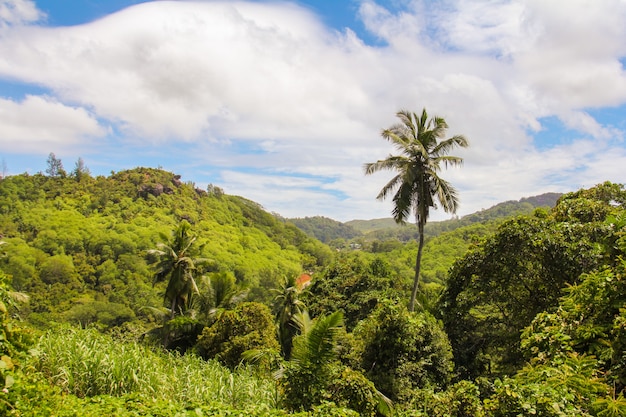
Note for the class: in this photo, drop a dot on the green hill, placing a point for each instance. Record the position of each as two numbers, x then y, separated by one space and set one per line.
387 228
82 241
325 229
366 226
78 244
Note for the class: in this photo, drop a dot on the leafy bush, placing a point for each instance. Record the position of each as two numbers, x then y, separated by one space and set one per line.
351 389
353 284
14 341
498 288
462 399
309 372
404 351
249 326
589 320
103 313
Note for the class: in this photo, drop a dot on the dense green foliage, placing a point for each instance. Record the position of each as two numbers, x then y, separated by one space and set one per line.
440 252
13 339
530 320
101 376
287 307
87 363
384 229
248 326
353 285
402 352
83 243
590 320
309 371
497 289
177 266
325 229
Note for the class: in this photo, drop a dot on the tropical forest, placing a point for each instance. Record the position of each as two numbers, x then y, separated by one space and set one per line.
142 294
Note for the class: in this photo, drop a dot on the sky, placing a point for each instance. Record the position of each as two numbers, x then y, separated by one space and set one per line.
282 102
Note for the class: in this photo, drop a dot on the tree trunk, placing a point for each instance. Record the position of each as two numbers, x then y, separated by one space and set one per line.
418 263
166 330
173 308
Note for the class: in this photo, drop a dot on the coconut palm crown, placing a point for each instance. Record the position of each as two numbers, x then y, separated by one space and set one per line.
417 186
177 267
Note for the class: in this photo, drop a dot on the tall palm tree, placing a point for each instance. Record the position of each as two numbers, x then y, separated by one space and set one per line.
176 265
417 185
287 305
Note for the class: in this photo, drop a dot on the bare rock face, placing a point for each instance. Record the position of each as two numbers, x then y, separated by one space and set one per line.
153 189
151 183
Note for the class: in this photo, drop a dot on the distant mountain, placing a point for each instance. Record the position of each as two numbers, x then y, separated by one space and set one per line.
512 208
543 200
366 226
325 229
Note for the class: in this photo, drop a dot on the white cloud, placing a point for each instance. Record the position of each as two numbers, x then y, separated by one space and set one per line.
574 59
584 123
268 87
184 70
499 28
18 12
42 124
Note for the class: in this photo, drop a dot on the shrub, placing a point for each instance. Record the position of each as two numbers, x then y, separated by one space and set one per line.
105 314
308 373
14 341
403 351
460 400
249 326
351 389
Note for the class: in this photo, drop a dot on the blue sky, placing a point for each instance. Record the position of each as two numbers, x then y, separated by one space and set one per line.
283 102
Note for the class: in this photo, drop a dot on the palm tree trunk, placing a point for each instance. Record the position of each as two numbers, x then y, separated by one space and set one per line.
418 263
166 330
173 308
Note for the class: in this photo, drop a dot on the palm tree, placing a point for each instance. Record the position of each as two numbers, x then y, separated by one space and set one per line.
310 366
176 265
417 185
313 366
218 291
287 305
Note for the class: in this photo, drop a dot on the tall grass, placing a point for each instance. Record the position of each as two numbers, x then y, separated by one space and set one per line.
87 363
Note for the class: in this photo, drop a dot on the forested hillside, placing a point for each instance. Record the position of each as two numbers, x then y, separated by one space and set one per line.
138 294
325 229
387 228
79 244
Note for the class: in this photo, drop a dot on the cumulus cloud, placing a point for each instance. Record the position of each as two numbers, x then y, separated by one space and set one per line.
285 110
39 124
18 12
186 70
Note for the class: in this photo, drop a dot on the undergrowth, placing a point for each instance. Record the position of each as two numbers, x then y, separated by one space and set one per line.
86 363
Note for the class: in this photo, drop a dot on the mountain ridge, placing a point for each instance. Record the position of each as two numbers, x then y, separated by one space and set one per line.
326 229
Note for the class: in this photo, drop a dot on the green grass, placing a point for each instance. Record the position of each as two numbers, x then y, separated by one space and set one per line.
87 363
